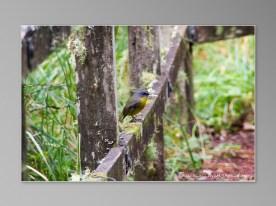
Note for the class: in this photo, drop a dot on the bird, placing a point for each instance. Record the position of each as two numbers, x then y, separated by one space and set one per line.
135 103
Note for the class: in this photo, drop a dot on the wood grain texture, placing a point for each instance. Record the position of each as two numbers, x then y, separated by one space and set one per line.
96 94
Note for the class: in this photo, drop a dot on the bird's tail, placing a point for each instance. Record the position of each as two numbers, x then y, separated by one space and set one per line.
122 117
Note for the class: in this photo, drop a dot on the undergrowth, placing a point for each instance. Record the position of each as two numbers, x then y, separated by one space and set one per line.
51 121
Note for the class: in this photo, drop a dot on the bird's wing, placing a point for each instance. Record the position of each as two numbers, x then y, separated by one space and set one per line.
131 104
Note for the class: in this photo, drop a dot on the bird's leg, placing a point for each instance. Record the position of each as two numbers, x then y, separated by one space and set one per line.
135 118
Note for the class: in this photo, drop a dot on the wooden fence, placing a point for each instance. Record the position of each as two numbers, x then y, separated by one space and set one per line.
111 154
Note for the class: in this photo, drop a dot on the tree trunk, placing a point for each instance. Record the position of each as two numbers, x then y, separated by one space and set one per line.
144 55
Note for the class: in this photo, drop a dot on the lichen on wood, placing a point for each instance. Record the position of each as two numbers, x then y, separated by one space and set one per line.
76 43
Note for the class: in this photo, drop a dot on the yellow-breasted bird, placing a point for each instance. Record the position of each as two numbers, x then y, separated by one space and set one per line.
135 103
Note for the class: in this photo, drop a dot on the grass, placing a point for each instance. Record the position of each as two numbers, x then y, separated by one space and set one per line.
51 121
224 81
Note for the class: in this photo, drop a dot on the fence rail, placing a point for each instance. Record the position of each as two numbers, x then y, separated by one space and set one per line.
203 34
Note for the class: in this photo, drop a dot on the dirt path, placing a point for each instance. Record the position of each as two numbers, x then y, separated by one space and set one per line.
232 159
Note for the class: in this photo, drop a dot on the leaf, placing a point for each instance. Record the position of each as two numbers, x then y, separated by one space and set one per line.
37 172
31 137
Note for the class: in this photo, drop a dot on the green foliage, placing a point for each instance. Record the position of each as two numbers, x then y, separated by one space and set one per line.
182 151
224 81
51 121
121 45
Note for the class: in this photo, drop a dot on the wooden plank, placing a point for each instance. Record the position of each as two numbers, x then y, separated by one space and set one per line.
202 34
38 42
96 93
113 165
175 55
179 53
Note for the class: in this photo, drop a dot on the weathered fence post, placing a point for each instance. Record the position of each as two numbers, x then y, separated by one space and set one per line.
96 93
144 52
144 55
159 139
38 42
159 136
